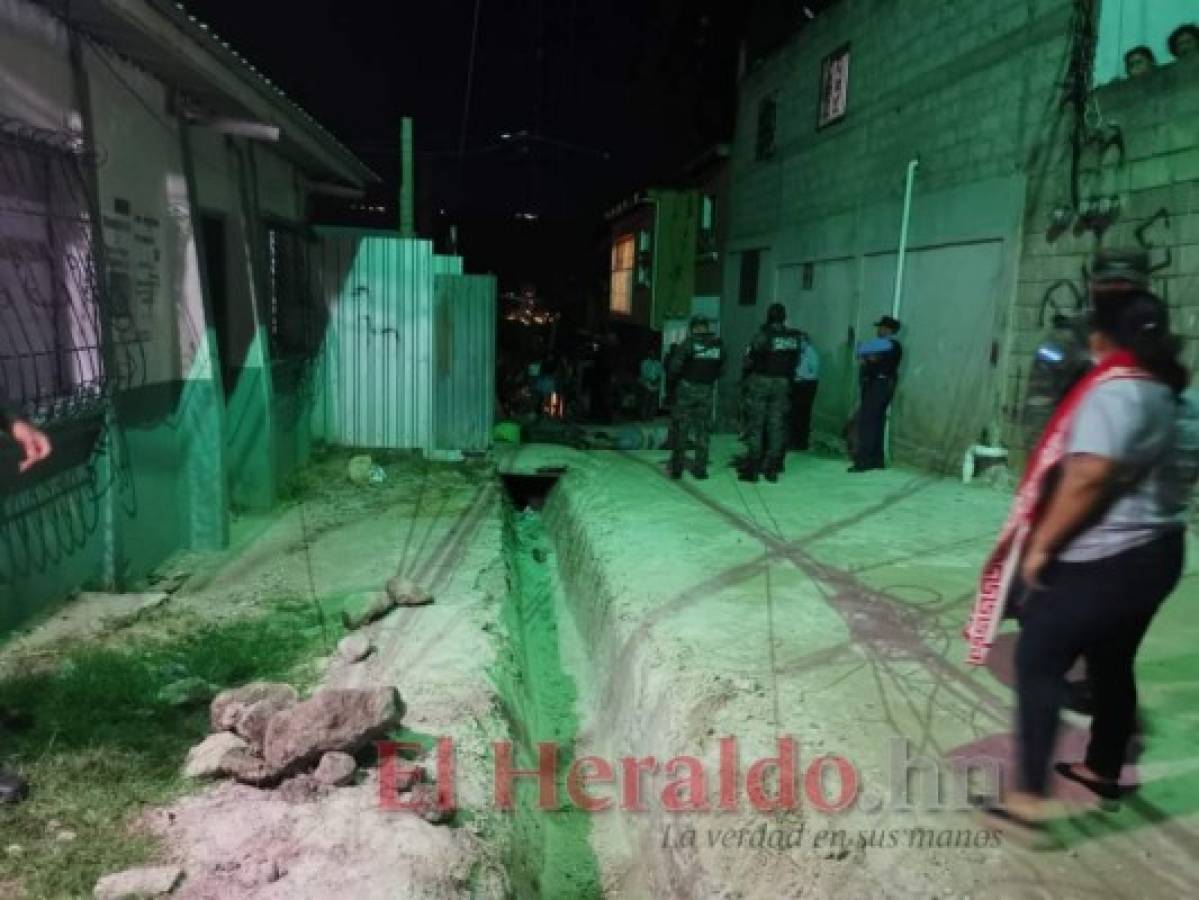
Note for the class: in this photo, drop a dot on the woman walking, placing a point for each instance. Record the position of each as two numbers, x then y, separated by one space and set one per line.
1094 546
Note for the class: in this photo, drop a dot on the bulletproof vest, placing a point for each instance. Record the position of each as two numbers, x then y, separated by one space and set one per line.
780 354
705 353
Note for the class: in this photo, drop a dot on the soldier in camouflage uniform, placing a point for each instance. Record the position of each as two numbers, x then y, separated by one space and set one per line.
773 356
696 366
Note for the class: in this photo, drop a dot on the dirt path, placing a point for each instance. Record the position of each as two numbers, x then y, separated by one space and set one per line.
828 608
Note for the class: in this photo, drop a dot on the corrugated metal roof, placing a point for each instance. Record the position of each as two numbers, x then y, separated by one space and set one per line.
209 69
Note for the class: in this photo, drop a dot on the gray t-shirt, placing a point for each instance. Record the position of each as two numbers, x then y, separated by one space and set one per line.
1155 436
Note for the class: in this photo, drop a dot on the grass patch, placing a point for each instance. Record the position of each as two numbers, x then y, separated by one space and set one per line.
101 745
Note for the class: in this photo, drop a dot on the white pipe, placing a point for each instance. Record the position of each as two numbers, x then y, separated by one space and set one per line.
897 300
979 452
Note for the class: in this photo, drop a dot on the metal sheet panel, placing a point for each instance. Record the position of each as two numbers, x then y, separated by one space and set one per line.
464 354
447 265
378 366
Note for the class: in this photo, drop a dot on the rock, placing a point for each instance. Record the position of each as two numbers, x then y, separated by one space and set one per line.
359 469
330 720
355 648
65 836
246 766
360 615
208 758
408 777
302 789
405 592
246 710
336 769
422 800
14 851
186 692
256 875
151 881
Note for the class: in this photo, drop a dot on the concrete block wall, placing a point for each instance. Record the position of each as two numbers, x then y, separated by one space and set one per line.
949 81
1158 115
970 89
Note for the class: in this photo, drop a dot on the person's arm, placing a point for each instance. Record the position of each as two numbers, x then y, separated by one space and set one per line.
1085 487
1113 436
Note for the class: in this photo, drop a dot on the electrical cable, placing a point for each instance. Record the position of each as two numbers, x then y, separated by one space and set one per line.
470 78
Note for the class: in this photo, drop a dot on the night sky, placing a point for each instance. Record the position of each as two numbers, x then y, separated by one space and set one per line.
617 95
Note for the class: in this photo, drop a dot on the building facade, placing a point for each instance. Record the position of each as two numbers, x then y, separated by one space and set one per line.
159 308
665 262
1026 149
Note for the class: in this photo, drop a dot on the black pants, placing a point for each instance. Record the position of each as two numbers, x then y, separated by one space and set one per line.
803 396
1098 610
872 421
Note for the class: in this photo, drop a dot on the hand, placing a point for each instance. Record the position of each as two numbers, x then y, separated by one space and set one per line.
1032 567
34 444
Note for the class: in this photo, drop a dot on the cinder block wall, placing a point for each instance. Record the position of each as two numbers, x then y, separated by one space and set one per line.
1158 116
971 89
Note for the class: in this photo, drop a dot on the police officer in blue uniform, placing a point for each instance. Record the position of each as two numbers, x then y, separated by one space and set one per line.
879 362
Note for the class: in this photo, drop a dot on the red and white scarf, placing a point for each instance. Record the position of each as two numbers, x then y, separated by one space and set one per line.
999 573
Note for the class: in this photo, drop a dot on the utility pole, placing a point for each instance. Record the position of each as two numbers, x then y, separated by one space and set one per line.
407 176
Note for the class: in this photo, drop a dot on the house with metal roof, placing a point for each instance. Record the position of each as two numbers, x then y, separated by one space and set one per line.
161 315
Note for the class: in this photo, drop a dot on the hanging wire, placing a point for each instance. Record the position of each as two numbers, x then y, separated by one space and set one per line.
470 79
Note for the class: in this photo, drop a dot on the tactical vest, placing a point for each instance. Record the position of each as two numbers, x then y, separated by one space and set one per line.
704 358
781 353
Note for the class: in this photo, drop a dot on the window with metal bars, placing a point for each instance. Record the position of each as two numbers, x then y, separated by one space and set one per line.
51 361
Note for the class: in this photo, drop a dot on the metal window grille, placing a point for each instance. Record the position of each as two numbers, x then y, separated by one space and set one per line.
51 361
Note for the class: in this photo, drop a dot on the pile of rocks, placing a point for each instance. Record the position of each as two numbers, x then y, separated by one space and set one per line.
264 734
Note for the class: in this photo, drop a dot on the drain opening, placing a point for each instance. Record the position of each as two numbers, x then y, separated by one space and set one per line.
529 491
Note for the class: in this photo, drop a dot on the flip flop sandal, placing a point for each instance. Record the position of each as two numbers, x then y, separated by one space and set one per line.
1105 790
1027 833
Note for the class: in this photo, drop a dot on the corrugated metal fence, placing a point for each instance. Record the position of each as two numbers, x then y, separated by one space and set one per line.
464 384
403 359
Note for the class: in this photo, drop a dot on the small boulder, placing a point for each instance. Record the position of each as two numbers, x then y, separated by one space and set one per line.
246 766
355 648
256 875
358 470
423 801
330 720
186 692
302 789
362 613
208 758
407 777
336 769
246 710
406 592
151 881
